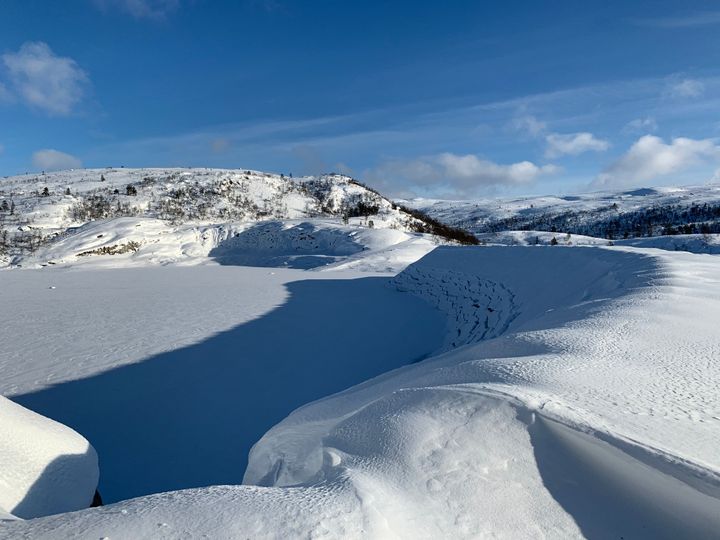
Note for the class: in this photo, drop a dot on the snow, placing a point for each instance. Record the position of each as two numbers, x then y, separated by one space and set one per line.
200 359
47 468
163 216
614 214
481 209
584 404
295 376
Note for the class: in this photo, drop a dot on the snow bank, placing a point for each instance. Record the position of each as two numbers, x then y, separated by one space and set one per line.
47 468
317 243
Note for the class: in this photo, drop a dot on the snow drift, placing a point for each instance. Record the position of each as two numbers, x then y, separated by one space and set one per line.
47 468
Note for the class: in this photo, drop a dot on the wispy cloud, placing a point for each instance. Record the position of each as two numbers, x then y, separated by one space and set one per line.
641 125
54 160
43 80
689 20
557 144
685 88
573 144
5 94
141 9
527 124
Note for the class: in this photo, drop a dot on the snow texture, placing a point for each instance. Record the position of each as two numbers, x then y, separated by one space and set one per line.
358 381
589 409
47 468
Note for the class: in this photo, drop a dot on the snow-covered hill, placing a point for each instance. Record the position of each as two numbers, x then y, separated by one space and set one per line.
611 215
172 215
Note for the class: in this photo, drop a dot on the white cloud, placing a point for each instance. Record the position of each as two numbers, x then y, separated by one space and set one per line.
641 125
54 160
43 80
475 170
528 125
558 144
454 175
141 9
573 144
650 157
686 88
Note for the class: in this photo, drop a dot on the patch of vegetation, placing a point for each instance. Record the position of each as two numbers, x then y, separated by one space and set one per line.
426 224
115 249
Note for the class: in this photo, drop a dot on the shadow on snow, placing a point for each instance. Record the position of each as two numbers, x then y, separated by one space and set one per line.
188 417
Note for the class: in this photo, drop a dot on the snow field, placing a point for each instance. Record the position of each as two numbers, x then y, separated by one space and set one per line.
583 405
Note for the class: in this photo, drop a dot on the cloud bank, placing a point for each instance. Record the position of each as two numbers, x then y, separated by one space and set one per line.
453 175
650 157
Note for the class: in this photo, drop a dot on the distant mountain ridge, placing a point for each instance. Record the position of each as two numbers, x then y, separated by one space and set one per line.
641 212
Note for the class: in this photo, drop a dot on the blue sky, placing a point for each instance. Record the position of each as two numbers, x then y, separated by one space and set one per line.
439 99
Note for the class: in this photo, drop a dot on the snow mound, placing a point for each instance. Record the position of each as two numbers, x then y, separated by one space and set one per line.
47 468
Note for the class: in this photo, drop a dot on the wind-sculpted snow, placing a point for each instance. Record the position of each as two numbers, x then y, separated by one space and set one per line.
476 309
45 467
593 413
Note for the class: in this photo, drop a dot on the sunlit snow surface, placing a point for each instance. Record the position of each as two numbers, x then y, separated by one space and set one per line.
570 392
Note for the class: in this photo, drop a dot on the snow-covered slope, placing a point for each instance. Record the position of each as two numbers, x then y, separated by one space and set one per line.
576 397
172 215
613 215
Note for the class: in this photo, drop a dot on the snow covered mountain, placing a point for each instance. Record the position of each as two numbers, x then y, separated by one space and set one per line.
94 211
612 215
